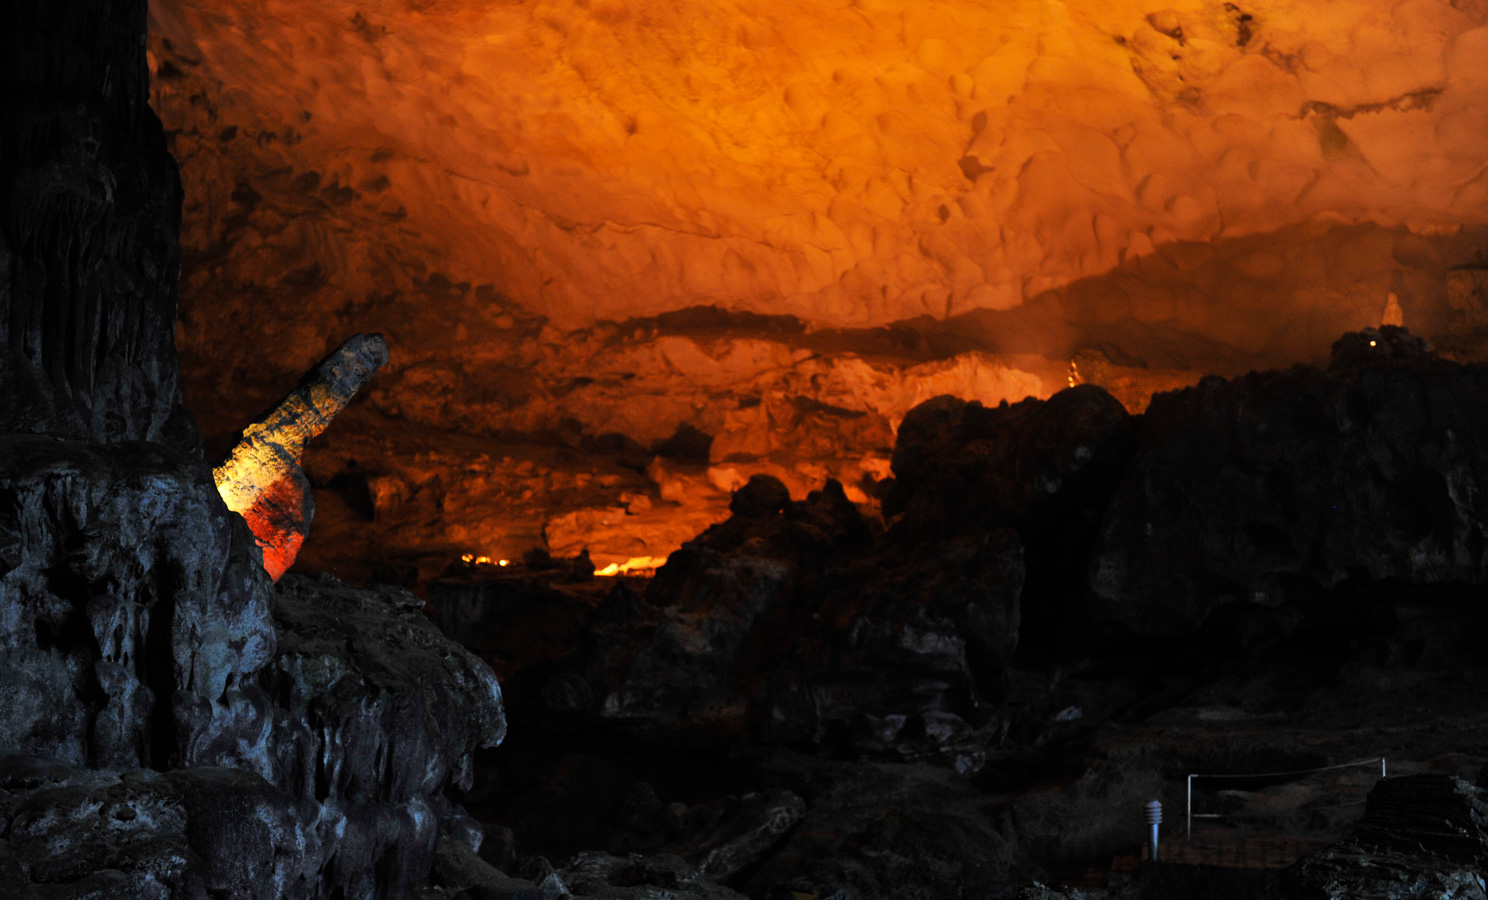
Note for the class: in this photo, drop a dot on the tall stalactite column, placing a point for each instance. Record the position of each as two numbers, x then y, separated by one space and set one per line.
90 216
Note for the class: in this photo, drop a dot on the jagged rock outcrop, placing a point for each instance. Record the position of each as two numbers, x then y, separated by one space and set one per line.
134 613
1259 489
162 733
90 217
1045 468
960 465
376 714
684 651
165 733
784 622
1424 837
323 774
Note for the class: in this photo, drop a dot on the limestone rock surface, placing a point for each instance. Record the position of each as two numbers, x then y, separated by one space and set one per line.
134 613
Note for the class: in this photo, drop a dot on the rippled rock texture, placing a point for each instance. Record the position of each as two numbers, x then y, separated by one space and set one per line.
628 159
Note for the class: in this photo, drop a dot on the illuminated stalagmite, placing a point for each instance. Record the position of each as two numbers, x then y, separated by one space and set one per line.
261 478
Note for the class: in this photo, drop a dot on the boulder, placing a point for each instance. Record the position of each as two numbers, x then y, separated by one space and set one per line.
603 876
1044 468
880 831
187 833
962 466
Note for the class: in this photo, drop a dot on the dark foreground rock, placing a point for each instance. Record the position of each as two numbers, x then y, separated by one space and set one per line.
887 832
602 876
1424 837
376 714
783 623
305 754
186 833
134 614
804 702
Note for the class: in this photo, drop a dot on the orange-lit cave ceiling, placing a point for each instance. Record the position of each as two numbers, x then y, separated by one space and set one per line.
887 199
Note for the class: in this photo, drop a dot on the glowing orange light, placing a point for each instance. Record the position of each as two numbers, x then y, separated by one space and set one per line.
471 559
634 564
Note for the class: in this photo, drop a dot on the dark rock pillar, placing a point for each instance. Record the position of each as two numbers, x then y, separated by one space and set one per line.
90 214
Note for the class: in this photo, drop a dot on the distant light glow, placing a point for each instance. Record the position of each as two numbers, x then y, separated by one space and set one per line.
471 559
634 564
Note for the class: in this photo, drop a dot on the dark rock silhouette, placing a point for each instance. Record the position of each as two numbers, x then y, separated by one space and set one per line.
90 220
1261 489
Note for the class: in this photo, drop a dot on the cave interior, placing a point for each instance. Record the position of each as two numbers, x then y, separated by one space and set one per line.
663 450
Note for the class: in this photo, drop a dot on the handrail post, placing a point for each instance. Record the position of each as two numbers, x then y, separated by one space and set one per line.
1188 811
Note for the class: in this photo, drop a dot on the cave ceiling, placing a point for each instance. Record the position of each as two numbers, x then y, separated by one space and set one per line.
848 163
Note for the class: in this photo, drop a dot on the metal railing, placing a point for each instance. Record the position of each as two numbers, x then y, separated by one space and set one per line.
1191 815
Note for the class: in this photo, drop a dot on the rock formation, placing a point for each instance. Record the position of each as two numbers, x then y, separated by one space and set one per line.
1268 491
1422 836
171 726
90 218
261 478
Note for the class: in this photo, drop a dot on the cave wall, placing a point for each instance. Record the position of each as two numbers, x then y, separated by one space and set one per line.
545 205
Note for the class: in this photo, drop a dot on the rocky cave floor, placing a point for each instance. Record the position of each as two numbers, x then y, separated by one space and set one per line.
772 716
1058 799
